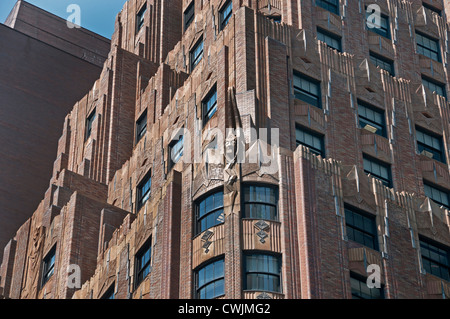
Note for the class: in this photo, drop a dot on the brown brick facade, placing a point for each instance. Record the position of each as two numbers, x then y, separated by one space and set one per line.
92 213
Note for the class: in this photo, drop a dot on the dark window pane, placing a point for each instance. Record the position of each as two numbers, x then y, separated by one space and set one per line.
307 90
48 266
140 17
380 27
209 212
360 289
196 54
378 170
361 228
435 258
143 191
143 262
371 119
313 141
263 272
225 14
189 14
428 46
210 280
383 63
333 41
330 5
141 126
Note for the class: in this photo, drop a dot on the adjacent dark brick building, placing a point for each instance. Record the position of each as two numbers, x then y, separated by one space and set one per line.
45 68
361 166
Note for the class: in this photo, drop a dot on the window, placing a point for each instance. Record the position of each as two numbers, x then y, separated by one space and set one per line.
89 122
109 294
176 149
314 141
371 119
360 289
434 9
436 87
260 202
225 14
333 41
189 15
379 170
382 28
141 126
330 5
435 258
307 90
383 63
440 196
361 227
209 105
143 191
428 46
210 282
142 262
263 272
275 18
48 266
140 18
209 212
430 144
196 54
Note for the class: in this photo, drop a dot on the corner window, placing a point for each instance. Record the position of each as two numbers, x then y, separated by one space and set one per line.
439 195
428 46
307 90
140 18
189 14
314 141
141 126
360 289
260 202
435 258
209 212
225 14
330 5
89 122
143 262
196 54
48 266
210 280
378 170
143 191
262 272
333 41
371 119
430 144
361 227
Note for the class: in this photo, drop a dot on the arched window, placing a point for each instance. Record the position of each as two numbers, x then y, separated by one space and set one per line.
262 272
209 280
209 212
260 202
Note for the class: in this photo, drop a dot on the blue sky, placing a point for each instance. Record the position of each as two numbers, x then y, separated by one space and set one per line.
96 15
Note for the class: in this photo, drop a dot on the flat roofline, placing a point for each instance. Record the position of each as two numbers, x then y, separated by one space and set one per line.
15 11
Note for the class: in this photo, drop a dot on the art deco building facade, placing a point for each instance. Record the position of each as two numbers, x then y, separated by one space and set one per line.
361 178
